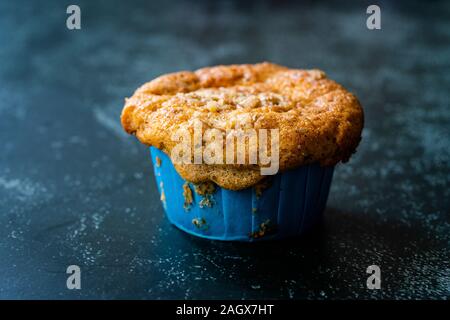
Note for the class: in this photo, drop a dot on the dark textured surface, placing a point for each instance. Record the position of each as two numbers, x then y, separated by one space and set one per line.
74 189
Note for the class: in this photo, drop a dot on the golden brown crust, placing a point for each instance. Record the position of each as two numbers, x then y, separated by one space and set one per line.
318 120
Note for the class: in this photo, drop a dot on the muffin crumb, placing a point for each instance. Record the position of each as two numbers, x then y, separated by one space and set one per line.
207 201
187 194
158 162
265 229
200 223
205 188
261 186
163 195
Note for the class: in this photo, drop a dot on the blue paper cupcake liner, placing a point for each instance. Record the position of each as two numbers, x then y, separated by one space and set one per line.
292 203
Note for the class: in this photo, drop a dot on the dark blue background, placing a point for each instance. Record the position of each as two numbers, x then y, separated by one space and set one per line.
75 189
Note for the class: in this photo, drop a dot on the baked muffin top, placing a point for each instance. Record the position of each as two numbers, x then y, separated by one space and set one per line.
318 120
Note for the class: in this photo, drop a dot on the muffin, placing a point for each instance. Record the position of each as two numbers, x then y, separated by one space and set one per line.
244 152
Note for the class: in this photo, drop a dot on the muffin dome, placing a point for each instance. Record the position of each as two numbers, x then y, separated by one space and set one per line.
318 120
